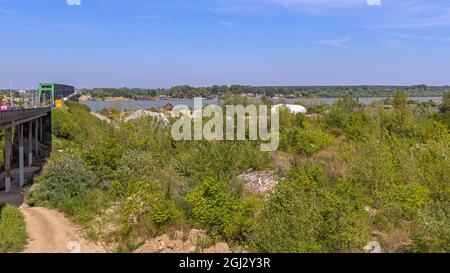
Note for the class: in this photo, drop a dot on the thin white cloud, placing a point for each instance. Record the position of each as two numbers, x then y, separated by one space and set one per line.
73 2
323 3
147 17
342 42
374 2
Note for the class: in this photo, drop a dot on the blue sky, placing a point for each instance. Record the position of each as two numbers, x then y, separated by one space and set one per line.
161 43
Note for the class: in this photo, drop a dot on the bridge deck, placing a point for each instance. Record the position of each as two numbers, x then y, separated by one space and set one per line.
9 118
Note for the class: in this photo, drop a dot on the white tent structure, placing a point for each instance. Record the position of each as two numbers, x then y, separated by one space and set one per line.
294 108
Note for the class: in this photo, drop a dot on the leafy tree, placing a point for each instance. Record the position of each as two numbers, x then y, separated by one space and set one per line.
445 106
400 101
337 115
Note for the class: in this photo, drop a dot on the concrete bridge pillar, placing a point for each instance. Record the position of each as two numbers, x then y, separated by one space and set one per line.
21 158
36 140
41 136
8 156
30 143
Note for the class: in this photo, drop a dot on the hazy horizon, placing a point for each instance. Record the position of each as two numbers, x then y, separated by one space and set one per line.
158 44
206 86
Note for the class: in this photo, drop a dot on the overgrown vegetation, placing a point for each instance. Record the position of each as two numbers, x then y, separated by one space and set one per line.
13 234
358 173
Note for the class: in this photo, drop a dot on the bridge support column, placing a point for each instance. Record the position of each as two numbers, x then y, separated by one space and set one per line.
36 140
8 155
21 158
30 143
41 136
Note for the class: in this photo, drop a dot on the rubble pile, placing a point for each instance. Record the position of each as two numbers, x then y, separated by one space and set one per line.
259 182
190 242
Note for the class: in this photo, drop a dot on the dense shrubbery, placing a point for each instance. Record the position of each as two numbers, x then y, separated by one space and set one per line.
13 234
146 210
219 160
306 215
386 172
68 185
215 208
431 231
297 136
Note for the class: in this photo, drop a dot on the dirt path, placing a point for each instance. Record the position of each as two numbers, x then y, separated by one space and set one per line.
51 232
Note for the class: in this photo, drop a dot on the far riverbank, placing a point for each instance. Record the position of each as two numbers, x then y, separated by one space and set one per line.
144 104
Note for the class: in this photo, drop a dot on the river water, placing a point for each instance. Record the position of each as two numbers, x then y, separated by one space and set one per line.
142 104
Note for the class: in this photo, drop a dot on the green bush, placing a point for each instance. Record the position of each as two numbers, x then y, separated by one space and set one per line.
345 225
357 126
445 106
13 234
199 160
85 207
146 210
290 120
304 215
336 117
105 157
405 201
290 221
68 185
431 230
133 166
433 168
310 141
212 207
63 124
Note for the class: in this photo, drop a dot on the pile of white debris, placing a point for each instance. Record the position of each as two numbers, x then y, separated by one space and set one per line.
259 182
146 113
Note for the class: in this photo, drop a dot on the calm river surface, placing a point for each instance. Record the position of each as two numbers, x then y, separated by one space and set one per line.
141 104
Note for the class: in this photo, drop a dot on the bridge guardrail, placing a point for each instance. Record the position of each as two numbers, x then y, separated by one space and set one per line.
15 115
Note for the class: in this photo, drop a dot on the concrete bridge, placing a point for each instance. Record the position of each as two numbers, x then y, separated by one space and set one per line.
31 127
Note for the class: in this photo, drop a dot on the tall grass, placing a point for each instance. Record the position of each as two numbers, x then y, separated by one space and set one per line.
13 234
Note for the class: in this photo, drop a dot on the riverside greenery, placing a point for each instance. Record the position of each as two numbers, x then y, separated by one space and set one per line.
349 174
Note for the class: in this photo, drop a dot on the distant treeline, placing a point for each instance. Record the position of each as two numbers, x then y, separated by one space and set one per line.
188 92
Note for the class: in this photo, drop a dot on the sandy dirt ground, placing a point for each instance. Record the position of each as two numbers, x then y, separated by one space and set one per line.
48 231
51 232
